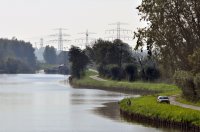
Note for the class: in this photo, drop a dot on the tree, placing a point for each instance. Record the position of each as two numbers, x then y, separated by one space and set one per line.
63 57
115 72
131 72
18 55
152 73
194 61
105 53
173 31
50 55
79 61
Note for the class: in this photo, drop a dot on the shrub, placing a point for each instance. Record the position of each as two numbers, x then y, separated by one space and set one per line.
185 81
131 72
152 73
115 72
103 71
197 84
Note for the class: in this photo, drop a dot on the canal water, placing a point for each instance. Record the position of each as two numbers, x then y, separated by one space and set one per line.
46 103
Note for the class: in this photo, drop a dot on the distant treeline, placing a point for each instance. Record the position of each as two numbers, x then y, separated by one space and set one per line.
51 57
115 60
16 57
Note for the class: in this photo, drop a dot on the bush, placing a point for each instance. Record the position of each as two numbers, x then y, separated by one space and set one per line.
197 85
150 73
115 72
109 71
131 72
103 71
185 81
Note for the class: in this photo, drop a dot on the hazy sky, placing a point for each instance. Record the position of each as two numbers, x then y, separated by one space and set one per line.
32 19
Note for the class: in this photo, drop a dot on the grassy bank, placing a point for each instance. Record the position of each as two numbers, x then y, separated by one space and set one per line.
147 107
88 82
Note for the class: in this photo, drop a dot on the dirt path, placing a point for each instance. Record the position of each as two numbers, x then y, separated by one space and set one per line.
95 77
172 98
174 102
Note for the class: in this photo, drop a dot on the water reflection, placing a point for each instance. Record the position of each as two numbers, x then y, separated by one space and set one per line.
38 103
111 111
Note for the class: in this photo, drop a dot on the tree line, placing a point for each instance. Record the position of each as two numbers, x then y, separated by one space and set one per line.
16 57
115 60
51 57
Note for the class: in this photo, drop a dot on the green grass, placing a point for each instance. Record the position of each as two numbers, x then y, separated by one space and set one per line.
148 106
160 87
184 101
46 66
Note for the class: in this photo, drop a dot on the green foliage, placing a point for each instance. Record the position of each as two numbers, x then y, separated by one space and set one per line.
79 61
11 65
14 66
148 106
115 72
45 65
131 72
152 73
16 56
197 85
50 55
107 53
185 81
194 61
104 71
172 32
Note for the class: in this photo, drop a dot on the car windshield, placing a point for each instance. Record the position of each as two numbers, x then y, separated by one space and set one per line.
164 98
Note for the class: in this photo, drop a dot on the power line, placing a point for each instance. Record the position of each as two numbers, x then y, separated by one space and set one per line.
60 38
120 32
86 39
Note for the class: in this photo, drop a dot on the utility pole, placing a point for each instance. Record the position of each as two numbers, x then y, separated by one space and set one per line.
86 39
120 32
60 38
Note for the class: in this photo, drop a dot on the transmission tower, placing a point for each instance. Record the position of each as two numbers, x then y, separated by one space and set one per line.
60 38
86 39
40 43
120 32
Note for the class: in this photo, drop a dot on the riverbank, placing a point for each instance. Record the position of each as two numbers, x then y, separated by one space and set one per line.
122 86
146 107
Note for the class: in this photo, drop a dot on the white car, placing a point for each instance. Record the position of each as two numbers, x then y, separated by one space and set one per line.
163 99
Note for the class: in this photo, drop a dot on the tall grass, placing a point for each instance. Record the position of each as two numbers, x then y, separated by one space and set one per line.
148 106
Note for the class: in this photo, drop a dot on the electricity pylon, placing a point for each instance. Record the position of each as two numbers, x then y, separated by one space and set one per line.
86 39
120 32
60 38
40 43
